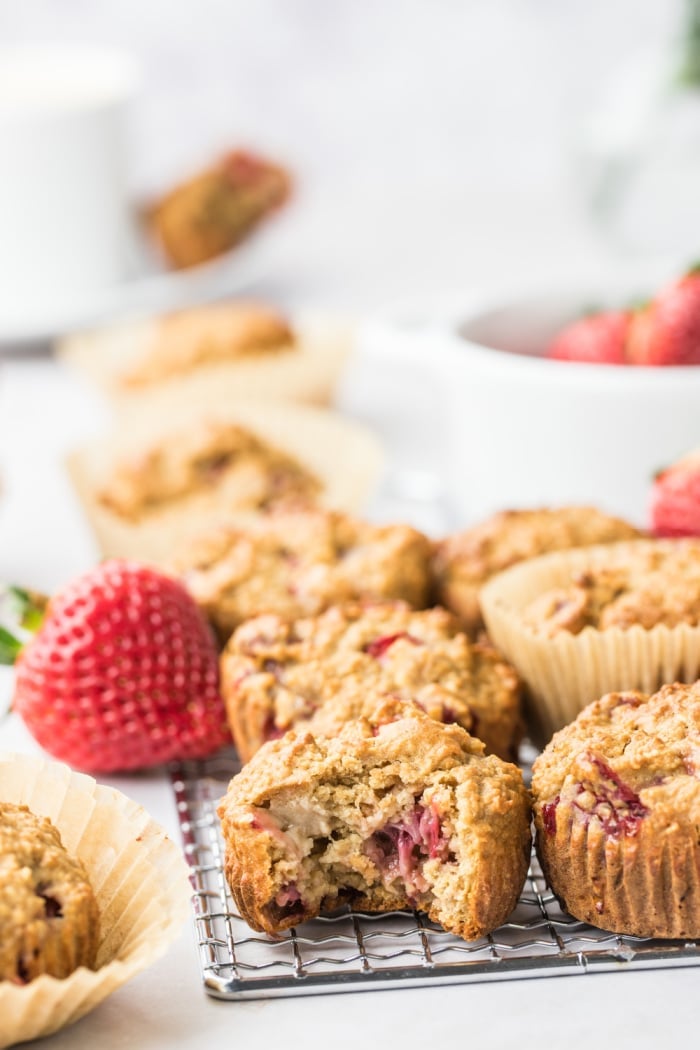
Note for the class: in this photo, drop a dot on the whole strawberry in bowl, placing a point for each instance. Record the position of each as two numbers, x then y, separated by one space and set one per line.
121 674
667 330
598 338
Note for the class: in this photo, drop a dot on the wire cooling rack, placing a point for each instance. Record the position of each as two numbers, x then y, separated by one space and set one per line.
348 950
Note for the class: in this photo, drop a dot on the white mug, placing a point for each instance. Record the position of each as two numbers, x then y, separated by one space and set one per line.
66 229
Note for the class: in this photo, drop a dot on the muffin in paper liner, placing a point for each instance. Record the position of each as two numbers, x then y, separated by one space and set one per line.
616 806
137 873
344 456
307 371
566 672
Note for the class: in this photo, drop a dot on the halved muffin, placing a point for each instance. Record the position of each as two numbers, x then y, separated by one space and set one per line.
396 810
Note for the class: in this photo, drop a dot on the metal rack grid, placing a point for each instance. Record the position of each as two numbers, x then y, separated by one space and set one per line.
348 951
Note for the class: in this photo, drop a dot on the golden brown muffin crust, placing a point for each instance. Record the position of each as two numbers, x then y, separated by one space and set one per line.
466 560
298 564
653 586
397 810
48 912
617 812
247 473
206 335
278 674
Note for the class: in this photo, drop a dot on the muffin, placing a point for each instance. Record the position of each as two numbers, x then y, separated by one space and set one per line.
577 624
217 209
394 811
316 673
137 874
153 483
240 349
49 922
654 585
617 810
465 561
298 564
222 462
208 335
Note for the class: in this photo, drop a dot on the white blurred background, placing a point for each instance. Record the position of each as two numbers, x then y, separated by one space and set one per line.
436 143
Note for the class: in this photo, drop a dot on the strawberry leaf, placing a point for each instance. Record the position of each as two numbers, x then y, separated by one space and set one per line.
10 647
28 607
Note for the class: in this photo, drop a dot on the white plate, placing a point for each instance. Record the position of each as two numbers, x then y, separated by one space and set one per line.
151 289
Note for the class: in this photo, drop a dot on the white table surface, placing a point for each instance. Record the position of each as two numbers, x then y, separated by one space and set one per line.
43 542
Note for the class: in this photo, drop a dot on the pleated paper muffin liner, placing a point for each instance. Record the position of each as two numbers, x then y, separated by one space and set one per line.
307 373
566 672
343 454
137 873
646 885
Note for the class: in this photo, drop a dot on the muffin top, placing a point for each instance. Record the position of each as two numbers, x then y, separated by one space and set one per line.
221 332
653 585
627 757
277 673
246 473
372 770
297 564
44 893
466 560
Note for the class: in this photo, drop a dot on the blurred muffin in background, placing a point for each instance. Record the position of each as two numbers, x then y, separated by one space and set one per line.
215 210
161 478
247 349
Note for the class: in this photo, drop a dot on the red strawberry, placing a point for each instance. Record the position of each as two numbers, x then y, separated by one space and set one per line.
667 331
598 339
123 673
675 499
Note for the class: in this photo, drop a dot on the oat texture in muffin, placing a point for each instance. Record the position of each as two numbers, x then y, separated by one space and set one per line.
215 210
316 673
205 335
214 459
49 920
466 560
653 585
395 810
299 564
617 812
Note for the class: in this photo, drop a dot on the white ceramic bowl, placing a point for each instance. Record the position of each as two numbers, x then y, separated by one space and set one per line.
521 430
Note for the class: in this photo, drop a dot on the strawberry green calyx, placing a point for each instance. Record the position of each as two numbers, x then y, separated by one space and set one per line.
21 615
10 647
